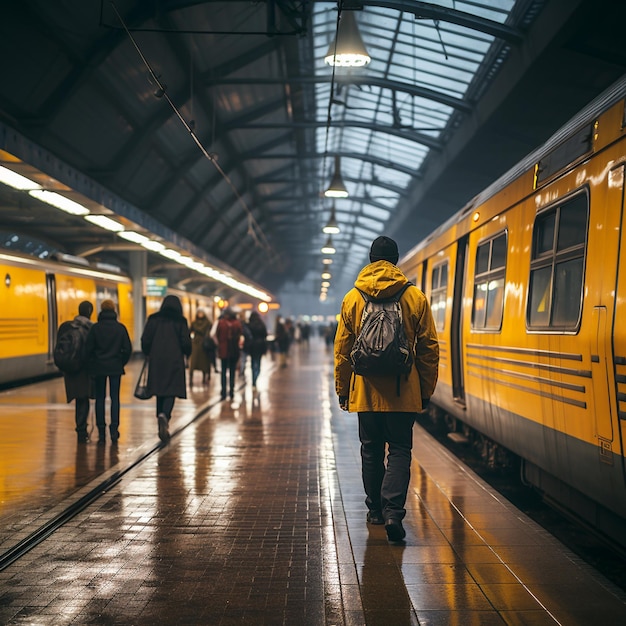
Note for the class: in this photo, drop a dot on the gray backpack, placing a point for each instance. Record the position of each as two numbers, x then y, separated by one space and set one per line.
381 347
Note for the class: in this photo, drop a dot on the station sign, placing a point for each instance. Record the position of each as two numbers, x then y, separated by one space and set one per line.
155 286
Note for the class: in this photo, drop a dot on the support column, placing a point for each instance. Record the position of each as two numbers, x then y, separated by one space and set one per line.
138 262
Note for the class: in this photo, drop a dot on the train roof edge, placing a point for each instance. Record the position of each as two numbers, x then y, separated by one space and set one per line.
609 97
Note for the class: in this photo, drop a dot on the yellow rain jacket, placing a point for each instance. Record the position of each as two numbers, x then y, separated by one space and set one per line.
383 279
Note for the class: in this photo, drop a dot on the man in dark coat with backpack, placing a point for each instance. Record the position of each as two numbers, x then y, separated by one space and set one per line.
69 355
386 404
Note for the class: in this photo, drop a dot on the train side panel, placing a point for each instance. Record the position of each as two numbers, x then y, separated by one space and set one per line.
541 365
440 276
23 322
70 292
125 307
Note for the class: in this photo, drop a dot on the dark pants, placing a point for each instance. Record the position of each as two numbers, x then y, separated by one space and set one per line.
229 366
82 413
100 385
165 404
255 364
386 487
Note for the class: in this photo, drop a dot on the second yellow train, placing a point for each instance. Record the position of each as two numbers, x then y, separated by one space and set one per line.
38 295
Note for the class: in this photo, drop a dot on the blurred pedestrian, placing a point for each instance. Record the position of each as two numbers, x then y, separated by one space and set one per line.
166 342
199 360
258 344
228 334
386 404
108 350
77 381
244 344
281 341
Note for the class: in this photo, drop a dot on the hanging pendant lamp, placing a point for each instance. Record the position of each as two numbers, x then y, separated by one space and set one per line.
331 228
328 247
348 49
336 189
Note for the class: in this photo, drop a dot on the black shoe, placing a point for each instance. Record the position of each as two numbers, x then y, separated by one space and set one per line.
83 437
395 530
375 517
164 433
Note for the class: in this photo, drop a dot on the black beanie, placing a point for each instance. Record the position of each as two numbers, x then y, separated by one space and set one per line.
85 308
384 249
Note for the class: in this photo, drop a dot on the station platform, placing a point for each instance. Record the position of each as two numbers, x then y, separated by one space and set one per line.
254 514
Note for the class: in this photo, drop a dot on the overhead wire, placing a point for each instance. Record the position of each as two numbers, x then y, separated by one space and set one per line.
254 229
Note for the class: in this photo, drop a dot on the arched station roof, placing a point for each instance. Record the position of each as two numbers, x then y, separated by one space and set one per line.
218 122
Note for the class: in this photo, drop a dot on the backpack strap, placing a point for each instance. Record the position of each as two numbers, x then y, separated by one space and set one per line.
400 293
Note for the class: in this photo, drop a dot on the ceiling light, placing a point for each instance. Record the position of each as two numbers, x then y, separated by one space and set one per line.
59 201
130 235
331 228
154 246
327 261
168 253
105 222
348 49
336 189
326 275
17 181
328 246
325 283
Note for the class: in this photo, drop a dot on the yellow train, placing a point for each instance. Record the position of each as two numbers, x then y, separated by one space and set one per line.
528 289
37 296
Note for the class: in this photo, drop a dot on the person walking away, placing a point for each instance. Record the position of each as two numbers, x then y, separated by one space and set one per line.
108 350
282 341
199 359
244 346
386 404
166 342
228 334
70 352
258 344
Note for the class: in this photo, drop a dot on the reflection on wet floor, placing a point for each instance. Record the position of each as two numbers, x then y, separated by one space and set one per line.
254 514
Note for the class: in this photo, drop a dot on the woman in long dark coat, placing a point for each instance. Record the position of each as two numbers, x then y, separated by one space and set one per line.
258 344
166 341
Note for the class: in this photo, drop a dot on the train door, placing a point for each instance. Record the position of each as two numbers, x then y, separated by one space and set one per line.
51 293
456 323
617 327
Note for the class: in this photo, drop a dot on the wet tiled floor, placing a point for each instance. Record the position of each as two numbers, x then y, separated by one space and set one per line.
254 514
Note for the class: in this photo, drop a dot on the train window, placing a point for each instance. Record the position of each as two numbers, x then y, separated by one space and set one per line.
544 239
567 152
482 259
498 253
439 294
539 295
489 276
573 224
556 271
568 279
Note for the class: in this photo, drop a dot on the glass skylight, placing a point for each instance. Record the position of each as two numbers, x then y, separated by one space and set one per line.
387 117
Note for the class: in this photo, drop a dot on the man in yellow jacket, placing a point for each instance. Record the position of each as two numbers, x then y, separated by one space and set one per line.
386 405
